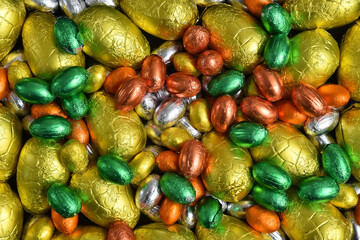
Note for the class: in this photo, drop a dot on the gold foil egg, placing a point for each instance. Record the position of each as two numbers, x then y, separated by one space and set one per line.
10 142
142 165
314 57
227 175
104 202
83 233
289 148
349 69
167 20
159 231
175 137
311 14
111 38
113 131
309 221
45 59
38 227
12 14
11 213
39 166
17 71
236 35
346 198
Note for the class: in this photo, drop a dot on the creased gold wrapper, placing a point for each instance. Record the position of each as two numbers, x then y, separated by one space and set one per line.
159 231
83 233
38 227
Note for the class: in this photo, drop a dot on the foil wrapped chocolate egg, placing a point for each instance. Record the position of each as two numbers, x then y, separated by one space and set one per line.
38 227
45 59
113 131
111 38
159 231
240 44
83 233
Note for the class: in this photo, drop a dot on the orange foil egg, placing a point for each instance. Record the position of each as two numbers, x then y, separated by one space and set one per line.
64 225
117 77
131 93
255 6
120 231
4 83
196 39
170 211
79 131
334 95
168 161
357 212
183 85
154 69
269 83
210 63
223 113
192 158
262 219
51 108
287 112
308 100
259 110
199 189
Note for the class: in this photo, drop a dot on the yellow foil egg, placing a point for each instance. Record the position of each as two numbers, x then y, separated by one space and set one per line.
175 137
11 213
167 20
104 202
38 227
97 75
45 59
309 221
346 198
38 168
142 165
314 57
17 71
199 113
74 156
12 14
113 131
349 69
236 35
289 148
10 142
229 228
186 62
83 233
111 38
311 14
227 175
159 231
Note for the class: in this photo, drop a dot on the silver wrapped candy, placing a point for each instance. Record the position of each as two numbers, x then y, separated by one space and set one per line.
321 125
43 5
146 108
169 112
72 7
148 193
167 50
111 3
16 104
185 124
188 217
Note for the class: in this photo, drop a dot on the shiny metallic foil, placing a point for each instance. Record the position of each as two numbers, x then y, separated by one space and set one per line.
148 193
167 20
236 35
321 125
38 227
111 38
169 112
43 5
111 3
146 108
83 233
159 231
72 8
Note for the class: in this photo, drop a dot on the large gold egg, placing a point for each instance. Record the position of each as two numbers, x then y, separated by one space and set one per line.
111 38
236 35
45 59
113 131
38 227
289 148
104 202
38 168
227 175
159 231
11 213
12 17
83 233
10 142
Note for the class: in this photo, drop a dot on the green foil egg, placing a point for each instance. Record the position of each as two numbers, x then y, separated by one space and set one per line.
69 82
275 200
228 82
177 188
50 128
271 175
63 200
114 169
275 19
34 91
66 35
319 189
248 134
277 51
76 106
209 212
336 163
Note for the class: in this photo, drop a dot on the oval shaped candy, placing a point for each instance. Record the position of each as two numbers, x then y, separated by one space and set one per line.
148 193
192 158
130 94
228 82
120 230
183 85
258 110
63 200
319 189
209 212
223 113
34 91
114 169
275 200
64 225
313 104
275 19
271 175
177 188
38 227
169 112
248 134
67 36
268 82
175 137
50 128
277 51
154 68
323 124
141 166
76 106
336 163
262 220
346 198
199 113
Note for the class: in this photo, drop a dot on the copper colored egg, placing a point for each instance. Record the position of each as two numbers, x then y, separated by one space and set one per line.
192 158
4 83
168 161
269 83
170 211
223 113
120 231
255 6
210 63
262 219
117 77
199 189
308 100
287 112
51 108
64 225
183 85
154 69
196 39
258 109
334 95
130 94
